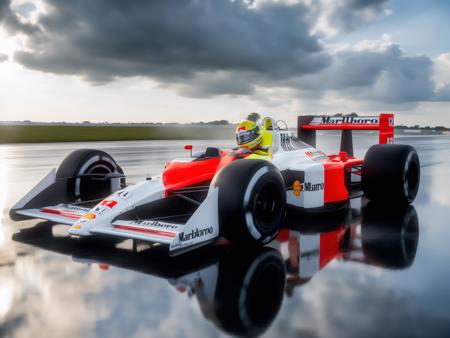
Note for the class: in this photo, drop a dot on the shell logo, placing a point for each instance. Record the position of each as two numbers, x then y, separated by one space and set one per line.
89 215
297 188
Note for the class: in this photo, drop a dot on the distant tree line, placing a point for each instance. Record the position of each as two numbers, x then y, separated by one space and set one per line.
215 122
416 126
251 116
342 114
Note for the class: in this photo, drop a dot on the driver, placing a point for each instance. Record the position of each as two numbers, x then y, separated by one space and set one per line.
250 138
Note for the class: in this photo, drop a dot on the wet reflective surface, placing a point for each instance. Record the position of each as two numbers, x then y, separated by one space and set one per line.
371 271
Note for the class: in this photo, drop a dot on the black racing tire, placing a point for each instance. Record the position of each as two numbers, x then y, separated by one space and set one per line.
252 199
249 292
389 235
391 173
88 161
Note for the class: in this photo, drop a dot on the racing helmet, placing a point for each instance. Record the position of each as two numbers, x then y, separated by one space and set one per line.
248 135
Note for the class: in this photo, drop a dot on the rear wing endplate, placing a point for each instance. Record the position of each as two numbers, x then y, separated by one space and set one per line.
308 125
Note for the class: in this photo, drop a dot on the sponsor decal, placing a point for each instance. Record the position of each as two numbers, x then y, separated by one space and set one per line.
90 216
125 195
285 142
68 207
308 186
109 203
83 221
288 142
315 155
195 233
154 224
77 226
349 120
391 122
297 188
310 254
145 230
100 210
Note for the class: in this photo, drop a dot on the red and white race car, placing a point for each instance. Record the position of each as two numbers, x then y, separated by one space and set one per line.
227 193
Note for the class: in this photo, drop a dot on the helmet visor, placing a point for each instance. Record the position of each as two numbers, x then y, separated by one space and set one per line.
247 136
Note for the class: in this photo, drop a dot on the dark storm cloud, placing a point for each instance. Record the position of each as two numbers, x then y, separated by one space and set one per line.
172 39
10 20
210 84
349 14
203 48
378 73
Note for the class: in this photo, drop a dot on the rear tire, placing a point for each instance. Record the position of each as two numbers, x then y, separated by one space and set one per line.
252 200
89 161
391 173
390 235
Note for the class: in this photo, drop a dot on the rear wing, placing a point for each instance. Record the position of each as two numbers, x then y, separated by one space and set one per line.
384 123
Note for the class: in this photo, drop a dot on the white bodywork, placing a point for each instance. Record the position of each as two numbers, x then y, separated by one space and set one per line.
104 219
203 226
313 174
305 160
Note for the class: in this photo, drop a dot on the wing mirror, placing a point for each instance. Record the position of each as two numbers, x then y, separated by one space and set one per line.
188 147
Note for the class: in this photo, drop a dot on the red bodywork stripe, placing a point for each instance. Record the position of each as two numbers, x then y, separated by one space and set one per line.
60 213
352 162
148 231
335 189
178 175
334 172
330 246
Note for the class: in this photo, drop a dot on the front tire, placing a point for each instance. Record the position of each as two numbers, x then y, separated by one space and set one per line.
249 292
86 170
391 173
252 200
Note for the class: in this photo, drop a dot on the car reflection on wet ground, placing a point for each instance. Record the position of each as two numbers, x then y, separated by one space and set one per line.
367 271
241 289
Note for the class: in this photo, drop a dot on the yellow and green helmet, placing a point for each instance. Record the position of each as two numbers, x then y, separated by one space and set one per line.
247 134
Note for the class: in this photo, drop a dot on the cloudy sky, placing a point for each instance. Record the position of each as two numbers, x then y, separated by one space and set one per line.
190 60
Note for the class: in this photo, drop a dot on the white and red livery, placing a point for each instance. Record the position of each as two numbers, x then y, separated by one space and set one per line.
227 193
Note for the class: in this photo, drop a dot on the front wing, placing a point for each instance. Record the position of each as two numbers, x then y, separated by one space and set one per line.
200 229
113 217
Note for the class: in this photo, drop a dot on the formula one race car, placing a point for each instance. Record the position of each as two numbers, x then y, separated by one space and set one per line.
220 193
